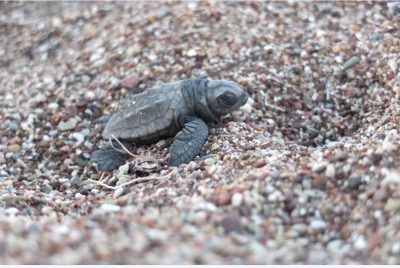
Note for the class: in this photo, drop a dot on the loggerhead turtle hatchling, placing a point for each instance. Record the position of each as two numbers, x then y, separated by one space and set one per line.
179 109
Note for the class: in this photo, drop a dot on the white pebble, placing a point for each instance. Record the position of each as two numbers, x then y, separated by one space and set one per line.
339 59
90 95
200 217
270 122
318 167
378 215
393 7
152 57
237 199
118 192
300 228
192 5
331 145
110 208
330 171
61 229
270 189
307 70
79 137
95 191
393 65
206 206
318 225
360 243
274 196
335 247
97 55
192 53
11 211
370 130
99 63
210 161
248 106
388 143
392 177
53 106
79 196
40 98
396 248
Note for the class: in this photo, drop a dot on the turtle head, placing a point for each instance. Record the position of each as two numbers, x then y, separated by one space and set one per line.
224 96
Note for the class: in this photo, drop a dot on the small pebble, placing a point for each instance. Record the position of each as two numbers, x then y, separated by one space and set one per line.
214 147
16 116
67 125
79 196
76 180
392 177
118 192
46 188
152 57
210 161
354 183
317 225
110 208
319 182
12 211
223 199
360 243
395 248
374 240
392 205
248 106
330 171
393 7
40 98
192 53
335 247
393 64
231 223
237 200
79 137
14 148
130 81
53 106
380 195
200 217
133 50
14 126
260 163
319 167
351 63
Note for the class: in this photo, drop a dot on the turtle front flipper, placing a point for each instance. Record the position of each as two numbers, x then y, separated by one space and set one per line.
108 159
188 141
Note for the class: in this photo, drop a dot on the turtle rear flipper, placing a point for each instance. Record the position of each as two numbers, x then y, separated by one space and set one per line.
188 141
108 159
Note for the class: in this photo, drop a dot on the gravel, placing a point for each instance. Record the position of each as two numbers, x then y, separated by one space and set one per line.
307 172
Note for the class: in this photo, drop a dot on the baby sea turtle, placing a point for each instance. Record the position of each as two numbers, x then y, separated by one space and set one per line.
179 109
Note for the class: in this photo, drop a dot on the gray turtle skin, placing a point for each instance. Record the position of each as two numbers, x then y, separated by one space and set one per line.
180 109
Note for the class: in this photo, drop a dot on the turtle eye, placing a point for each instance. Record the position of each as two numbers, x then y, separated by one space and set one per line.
226 100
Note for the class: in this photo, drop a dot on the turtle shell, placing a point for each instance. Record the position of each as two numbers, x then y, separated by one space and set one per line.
149 116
